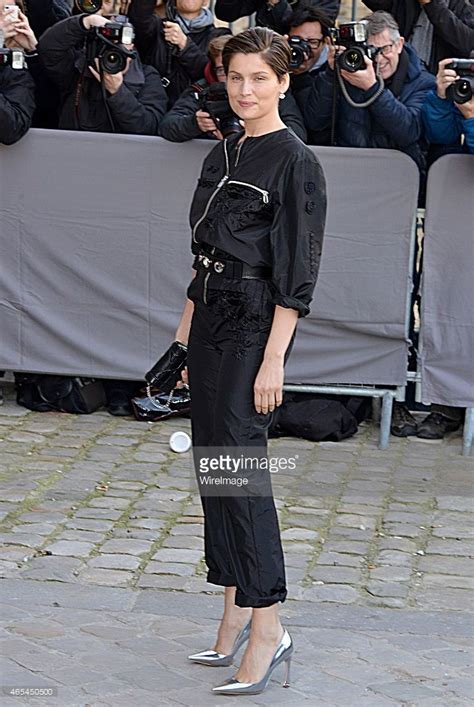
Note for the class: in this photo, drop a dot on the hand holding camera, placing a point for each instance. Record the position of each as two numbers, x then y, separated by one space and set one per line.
112 82
455 80
207 125
90 21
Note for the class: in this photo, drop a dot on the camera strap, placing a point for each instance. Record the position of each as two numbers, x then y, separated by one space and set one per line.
345 93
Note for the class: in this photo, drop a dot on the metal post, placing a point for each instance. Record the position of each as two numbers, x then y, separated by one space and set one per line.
468 432
354 10
387 405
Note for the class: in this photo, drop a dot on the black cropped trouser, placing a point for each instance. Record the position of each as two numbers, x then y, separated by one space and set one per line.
229 331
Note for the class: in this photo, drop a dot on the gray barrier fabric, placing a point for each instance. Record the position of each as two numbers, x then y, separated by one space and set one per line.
95 258
447 332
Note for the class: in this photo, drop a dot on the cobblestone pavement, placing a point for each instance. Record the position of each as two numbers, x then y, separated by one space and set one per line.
104 592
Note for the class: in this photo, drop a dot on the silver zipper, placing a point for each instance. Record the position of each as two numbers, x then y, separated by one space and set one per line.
204 292
237 157
213 195
263 192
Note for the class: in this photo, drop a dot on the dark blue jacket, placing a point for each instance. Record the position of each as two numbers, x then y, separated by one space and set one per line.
444 123
389 122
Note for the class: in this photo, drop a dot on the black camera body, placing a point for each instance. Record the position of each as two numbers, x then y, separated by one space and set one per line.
14 58
300 51
353 36
214 100
105 43
461 91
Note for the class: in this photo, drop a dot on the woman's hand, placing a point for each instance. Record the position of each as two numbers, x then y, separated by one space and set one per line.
24 37
268 386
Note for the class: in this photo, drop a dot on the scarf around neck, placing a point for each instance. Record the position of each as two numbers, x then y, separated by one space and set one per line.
203 20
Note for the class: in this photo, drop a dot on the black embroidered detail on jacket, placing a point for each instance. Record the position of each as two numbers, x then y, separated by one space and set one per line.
309 187
310 207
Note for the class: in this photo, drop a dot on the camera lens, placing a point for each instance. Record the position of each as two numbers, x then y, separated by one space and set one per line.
89 6
460 91
113 62
352 60
297 57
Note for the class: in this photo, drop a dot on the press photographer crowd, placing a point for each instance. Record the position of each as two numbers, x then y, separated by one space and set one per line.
400 78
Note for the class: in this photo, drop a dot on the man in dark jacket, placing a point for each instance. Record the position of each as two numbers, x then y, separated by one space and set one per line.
130 102
177 49
437 29
17 91
275 14
186 121
393 119
310 23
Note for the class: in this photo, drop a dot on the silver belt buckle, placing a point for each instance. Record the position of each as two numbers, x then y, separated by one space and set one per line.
205 261
219 267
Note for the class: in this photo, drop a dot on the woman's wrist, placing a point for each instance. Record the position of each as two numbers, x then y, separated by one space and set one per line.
275 357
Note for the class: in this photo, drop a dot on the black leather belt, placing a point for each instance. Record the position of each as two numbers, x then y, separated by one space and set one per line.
234 269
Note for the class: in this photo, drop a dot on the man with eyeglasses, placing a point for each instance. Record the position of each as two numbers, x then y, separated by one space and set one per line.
391 117
311 25
436 29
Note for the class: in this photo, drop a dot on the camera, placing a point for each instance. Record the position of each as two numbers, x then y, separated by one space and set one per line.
15 58
300 51
88 7
105 43
215 101
353 36
462 89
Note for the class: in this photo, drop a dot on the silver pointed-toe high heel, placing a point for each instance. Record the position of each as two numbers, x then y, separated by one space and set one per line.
221 660
282 654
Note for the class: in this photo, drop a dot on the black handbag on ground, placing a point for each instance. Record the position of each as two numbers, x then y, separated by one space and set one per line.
45 393
159 406
167 370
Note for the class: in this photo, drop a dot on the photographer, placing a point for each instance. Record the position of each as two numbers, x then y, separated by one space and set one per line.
271 13
309 26
17 103
436 29
186 120
176 46
445 121
131 101
392 118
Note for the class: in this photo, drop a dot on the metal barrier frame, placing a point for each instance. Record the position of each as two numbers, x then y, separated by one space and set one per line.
388 394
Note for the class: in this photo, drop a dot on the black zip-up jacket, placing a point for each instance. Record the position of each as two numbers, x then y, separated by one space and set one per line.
264 202
180 124
17 104
276 17
136 108
186 65
452 20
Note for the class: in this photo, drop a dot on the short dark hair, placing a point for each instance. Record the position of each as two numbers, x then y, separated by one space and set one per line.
310 13
273 49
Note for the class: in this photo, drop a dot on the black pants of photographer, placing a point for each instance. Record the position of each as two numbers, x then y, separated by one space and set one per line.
229 331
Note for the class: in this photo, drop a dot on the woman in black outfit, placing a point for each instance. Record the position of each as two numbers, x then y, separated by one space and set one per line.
257 218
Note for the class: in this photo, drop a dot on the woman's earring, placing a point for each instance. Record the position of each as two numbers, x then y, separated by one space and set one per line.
282 95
